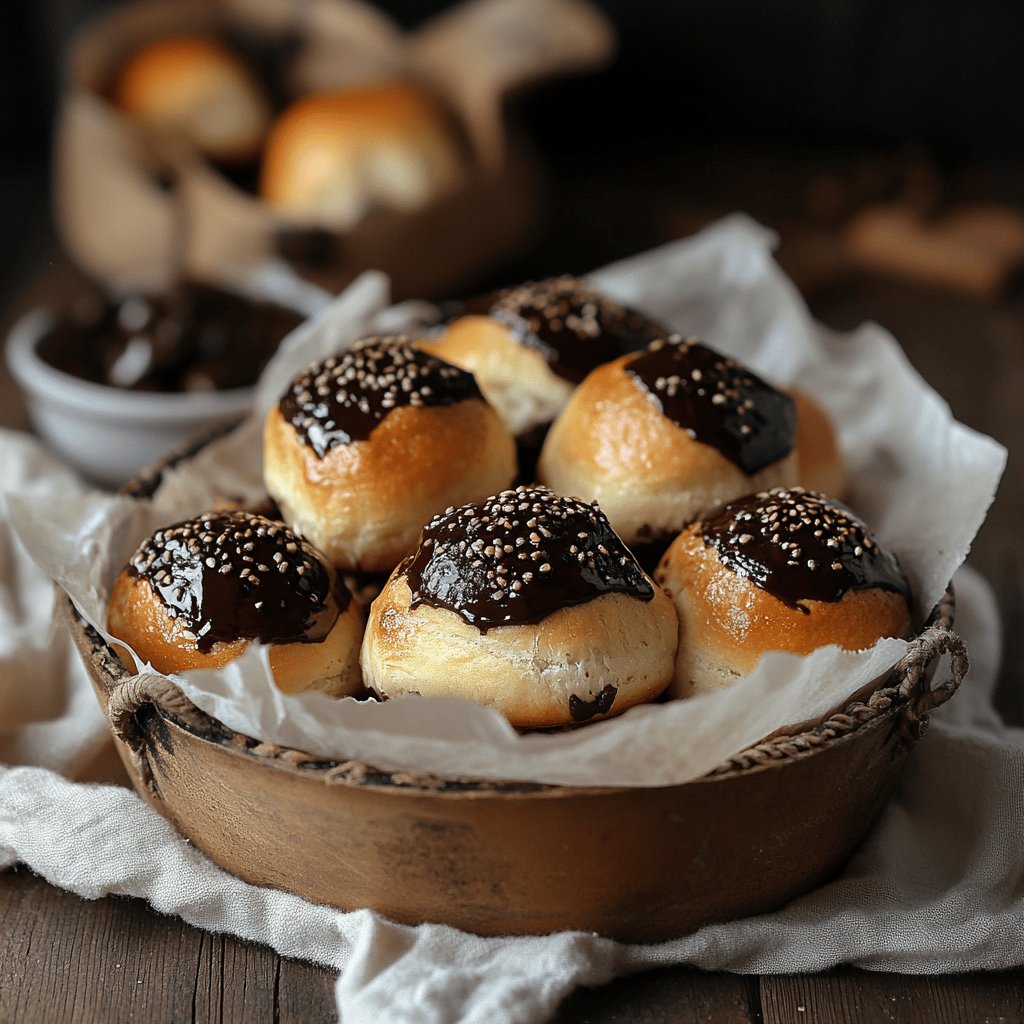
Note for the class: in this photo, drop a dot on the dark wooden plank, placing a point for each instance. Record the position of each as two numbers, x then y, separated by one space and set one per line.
105 960
115 959
872 998
234 981
305 994
672 995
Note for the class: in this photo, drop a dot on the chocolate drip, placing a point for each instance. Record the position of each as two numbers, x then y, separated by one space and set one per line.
237 576
801 546
343 398
575 328
194 338
584 710
519 556
717 401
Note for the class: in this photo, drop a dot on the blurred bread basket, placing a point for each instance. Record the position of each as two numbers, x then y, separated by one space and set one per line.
138 205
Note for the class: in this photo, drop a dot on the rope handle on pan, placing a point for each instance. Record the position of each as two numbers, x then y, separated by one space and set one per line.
935 642
912 692
123 706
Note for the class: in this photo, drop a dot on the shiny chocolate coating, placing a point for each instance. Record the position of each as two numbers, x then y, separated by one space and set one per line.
193 338
575 328
519 556
342 399
801 546
237 576
584 710
717 401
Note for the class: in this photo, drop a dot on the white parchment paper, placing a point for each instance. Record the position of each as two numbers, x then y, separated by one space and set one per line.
922 480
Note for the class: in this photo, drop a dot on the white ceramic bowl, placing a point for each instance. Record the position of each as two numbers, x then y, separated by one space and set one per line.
108 433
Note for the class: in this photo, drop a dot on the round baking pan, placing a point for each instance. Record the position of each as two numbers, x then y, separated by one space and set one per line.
637 864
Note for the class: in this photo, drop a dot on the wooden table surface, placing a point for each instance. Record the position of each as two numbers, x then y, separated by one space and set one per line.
113 960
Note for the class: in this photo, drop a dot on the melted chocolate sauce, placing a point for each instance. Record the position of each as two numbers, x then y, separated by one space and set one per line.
584 710
575 328
194 338
519 556
717 401
801 546
343 398
233 576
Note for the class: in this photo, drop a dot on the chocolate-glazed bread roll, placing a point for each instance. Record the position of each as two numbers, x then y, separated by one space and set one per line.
529 346
526 602
783 570
659 437
196 594
365 447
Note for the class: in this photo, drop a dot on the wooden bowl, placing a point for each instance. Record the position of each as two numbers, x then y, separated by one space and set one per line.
636 864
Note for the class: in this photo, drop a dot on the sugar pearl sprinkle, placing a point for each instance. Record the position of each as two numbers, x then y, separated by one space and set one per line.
574 327
342 399
717 401
519 556
232 575
800 545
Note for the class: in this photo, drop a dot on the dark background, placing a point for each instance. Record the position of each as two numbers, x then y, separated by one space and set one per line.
946 73
691 80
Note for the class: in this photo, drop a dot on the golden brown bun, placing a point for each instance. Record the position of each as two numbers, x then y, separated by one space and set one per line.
138 617
331 157
820 465
196 86
363 504
515 379
726 622
612 446
526 602
529 673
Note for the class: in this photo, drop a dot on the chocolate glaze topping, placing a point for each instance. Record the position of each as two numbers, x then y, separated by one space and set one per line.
584 710
519 556
192 338
575 328
801 546
235 575
343 398
717 401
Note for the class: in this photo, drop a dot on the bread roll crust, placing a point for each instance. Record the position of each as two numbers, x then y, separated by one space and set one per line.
515 379
611 445
727 621
530 673
364 503
331 156
820 465
196 86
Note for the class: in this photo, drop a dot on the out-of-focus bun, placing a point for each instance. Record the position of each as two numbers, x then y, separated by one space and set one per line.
528 603
331 157
195 86
659 437
196 594
783 570
365 447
